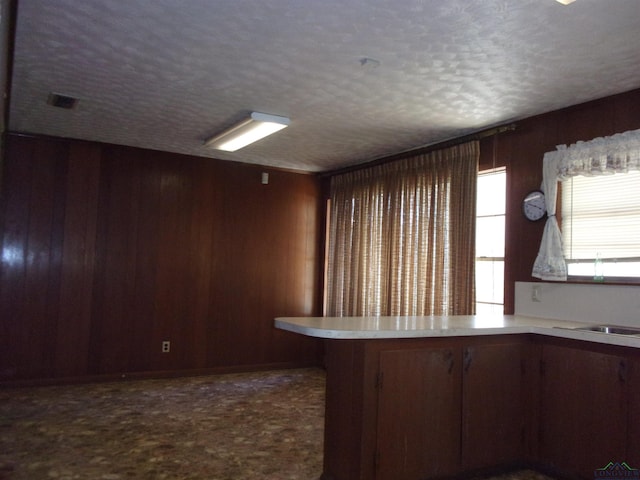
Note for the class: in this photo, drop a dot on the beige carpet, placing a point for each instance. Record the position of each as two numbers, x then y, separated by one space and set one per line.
266 425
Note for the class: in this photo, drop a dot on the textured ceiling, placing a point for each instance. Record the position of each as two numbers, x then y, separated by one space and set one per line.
166 74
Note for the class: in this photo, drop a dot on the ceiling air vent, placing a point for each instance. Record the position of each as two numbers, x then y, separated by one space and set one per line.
62 101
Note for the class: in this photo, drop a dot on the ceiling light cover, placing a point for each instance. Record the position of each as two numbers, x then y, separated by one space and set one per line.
256 127
565 2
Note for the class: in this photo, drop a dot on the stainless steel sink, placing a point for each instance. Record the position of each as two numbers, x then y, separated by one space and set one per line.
611 329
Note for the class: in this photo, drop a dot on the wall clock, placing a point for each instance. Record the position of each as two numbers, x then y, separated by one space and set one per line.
533 205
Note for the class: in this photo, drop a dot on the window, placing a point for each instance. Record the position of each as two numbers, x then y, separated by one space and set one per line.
601 225
490 230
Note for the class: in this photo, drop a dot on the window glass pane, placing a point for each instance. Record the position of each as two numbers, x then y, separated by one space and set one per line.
490 236
489 308
491 193
610 268
490 233
490 281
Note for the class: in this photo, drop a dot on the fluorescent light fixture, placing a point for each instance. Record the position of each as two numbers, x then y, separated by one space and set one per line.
565 2
256 127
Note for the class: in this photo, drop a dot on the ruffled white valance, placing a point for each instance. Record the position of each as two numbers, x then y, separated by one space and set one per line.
618 153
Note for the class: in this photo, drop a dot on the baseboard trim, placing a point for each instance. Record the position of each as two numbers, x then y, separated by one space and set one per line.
146 375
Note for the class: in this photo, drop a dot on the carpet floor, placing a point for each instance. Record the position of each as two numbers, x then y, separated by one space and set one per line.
253 426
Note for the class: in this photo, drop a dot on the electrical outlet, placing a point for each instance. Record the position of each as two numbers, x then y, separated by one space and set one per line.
166 346
535 294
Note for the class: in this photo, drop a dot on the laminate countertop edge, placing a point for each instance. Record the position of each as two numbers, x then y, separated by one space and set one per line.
352 328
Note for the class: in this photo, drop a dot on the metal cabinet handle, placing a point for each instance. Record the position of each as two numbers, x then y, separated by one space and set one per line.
449 358
622 371
468 357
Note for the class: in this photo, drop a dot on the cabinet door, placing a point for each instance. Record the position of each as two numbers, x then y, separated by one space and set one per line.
494 404
418 430
583 409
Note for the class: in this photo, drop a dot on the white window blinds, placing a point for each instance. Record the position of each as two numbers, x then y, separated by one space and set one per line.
601 217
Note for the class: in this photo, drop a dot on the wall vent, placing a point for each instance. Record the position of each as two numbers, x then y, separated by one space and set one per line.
62 101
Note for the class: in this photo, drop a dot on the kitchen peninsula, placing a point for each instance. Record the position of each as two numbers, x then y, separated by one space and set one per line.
428 397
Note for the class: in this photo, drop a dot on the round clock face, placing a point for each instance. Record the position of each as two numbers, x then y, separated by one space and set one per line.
533 205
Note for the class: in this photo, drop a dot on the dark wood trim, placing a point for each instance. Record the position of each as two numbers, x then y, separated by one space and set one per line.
151 375
11 15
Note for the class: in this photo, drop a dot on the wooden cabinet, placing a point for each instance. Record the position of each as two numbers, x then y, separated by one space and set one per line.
455 408
404 409
418 424
436 407
349 441
498 384
583 408
633 443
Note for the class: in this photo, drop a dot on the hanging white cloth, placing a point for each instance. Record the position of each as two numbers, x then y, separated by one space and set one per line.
618 153
550 263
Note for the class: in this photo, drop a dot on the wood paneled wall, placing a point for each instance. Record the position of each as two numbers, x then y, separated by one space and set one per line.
522 151
107 251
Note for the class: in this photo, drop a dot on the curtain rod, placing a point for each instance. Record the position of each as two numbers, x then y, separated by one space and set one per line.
422 150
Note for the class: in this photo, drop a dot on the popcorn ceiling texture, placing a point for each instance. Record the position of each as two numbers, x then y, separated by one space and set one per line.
166 74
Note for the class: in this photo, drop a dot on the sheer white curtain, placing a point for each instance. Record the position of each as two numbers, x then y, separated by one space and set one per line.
619 153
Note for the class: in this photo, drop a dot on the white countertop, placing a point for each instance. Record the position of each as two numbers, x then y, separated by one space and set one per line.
444 326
